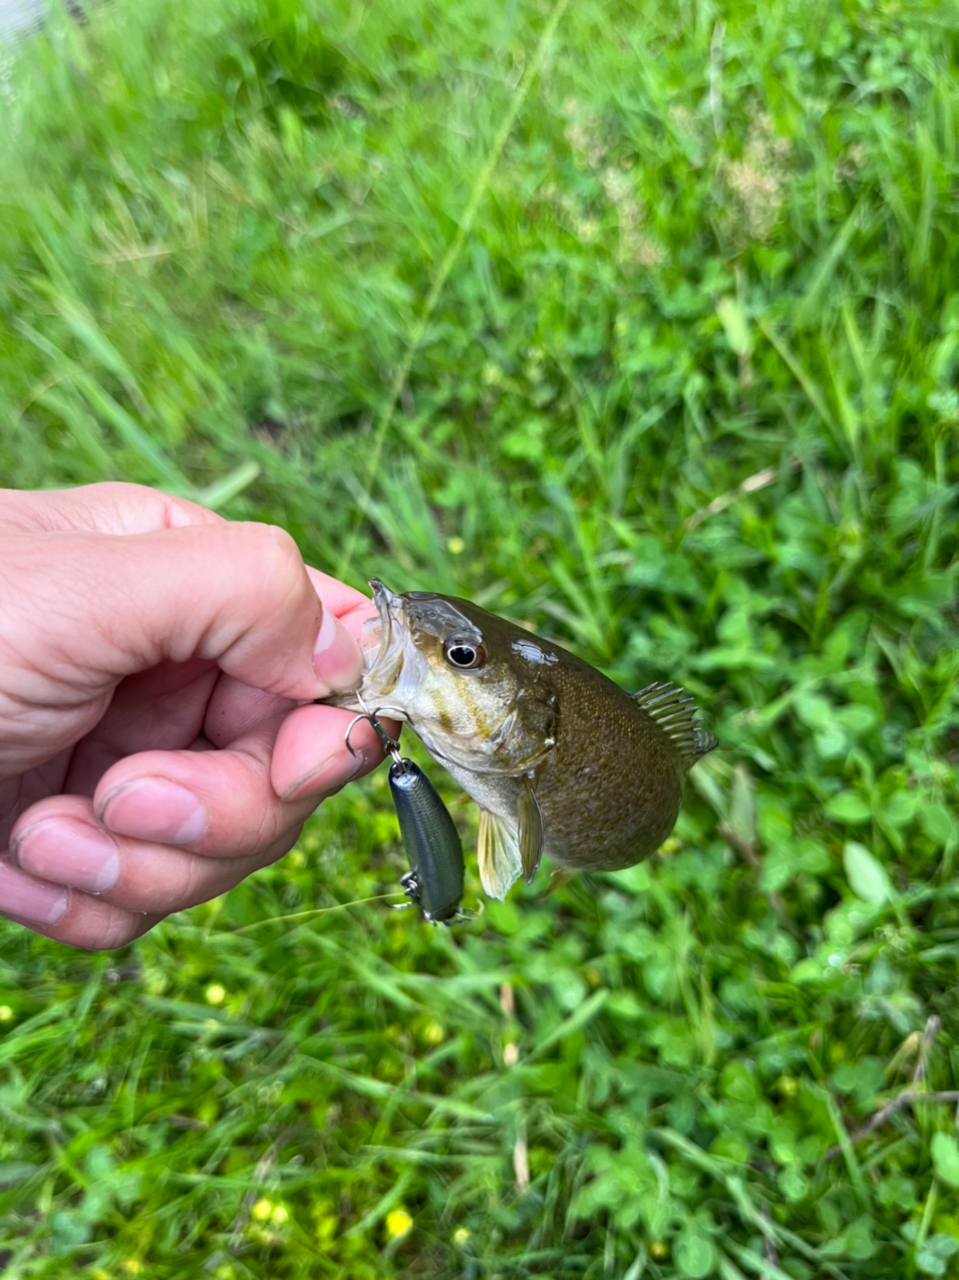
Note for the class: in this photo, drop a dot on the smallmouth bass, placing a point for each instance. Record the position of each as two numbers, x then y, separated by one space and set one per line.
560 760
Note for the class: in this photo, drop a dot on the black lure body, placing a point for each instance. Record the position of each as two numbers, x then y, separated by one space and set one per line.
433 848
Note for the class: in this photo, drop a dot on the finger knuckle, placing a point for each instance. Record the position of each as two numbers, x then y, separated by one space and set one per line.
282 574
195 884
115 928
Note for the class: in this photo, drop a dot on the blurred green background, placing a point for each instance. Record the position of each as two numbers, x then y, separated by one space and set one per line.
638 323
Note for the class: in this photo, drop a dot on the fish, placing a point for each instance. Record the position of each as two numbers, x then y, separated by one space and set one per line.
561 761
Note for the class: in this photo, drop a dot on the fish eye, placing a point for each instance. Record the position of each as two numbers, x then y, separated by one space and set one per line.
465 656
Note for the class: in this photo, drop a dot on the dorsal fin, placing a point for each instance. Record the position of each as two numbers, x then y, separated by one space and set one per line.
676 714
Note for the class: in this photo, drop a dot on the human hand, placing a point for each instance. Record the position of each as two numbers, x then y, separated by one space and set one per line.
152 749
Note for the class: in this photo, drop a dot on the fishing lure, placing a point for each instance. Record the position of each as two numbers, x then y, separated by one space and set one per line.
434 852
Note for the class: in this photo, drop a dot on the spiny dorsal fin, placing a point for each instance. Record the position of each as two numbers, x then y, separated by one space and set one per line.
676 714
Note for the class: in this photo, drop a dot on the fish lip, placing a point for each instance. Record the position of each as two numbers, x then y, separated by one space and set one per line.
382 597
382 672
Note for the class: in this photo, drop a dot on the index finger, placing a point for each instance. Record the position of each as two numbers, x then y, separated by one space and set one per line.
238 595
110 507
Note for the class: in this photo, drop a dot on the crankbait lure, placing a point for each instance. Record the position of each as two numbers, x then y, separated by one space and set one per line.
433 847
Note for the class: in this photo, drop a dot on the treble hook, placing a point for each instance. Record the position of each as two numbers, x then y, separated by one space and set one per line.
390 746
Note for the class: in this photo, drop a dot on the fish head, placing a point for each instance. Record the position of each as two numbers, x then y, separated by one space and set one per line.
452 671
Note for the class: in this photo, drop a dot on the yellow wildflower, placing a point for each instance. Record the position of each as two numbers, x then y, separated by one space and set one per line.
398 1223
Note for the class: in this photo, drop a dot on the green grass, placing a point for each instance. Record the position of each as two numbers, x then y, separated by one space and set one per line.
668 368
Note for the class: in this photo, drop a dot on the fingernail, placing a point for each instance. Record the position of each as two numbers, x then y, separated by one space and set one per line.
335 772
337 659
154 809
30 899
71 853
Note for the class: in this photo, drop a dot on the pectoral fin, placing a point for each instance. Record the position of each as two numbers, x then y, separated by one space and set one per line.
500 862
530 830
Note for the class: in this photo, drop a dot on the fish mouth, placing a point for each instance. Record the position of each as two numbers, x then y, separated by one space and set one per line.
382 598
383 671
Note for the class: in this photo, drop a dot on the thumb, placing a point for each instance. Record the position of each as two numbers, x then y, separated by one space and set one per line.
91 608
